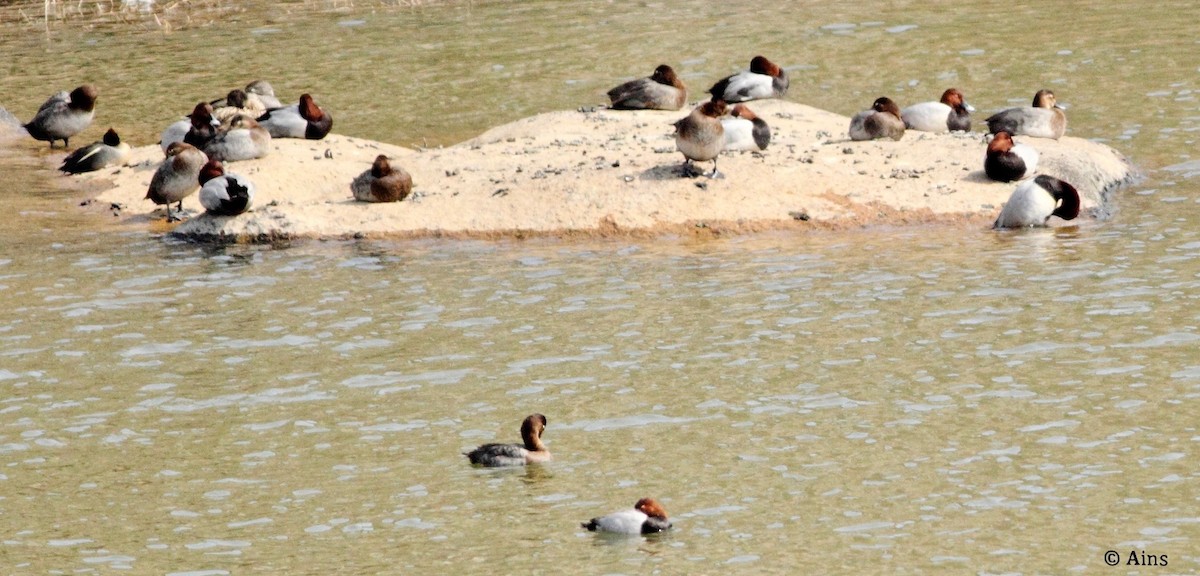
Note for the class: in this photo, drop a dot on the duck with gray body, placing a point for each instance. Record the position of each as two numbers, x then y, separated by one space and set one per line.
64 115
302 120
701 137
177 177
108 152
245 139
1044 119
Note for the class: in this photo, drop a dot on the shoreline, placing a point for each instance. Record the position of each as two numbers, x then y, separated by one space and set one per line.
609 173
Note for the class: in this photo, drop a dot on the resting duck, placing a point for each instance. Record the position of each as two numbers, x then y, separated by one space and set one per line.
647 517
237 102
700 136
662 90
196 128
1007 161
303 120
745 131
64 115
108 152
947 115
243 140
1045 119
764 79
382 183
224 194
882 120
531 452
177 177
1033 203
262 90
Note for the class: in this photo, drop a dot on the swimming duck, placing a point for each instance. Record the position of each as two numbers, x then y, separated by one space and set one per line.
382 183
533 451
744 130
882 120
1045 119
946 115
262 90
64 115
700 136
196 128
763 80
243 140
177 177
646 517
662 90
1033 203
224 194
107 152
303 120
1007 161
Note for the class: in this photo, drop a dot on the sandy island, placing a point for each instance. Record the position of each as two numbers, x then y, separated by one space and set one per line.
607 172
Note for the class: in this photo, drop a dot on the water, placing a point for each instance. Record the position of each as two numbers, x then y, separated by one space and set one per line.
900 400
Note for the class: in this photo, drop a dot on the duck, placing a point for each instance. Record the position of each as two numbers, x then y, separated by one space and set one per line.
1044 119
882 120
949 114
262 90
1033 202
244 139
1007 161
302 120
196 128
700 135
745 131
531 452
64 115
382 183
238 101
109 151
177 177
646 517
662 90
764 79
224 194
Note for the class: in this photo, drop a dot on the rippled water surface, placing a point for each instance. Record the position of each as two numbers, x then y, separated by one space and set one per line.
902 401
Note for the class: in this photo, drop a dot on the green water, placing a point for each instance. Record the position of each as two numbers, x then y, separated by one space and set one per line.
904 401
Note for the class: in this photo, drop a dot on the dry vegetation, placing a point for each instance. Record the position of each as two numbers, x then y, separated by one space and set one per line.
164 15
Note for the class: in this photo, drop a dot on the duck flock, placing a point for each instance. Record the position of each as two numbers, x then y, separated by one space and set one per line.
240 126
714 126
196 148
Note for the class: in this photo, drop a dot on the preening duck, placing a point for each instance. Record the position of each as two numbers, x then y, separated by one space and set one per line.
222 193
700 136
110 151
64 115
177 177
1033 203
